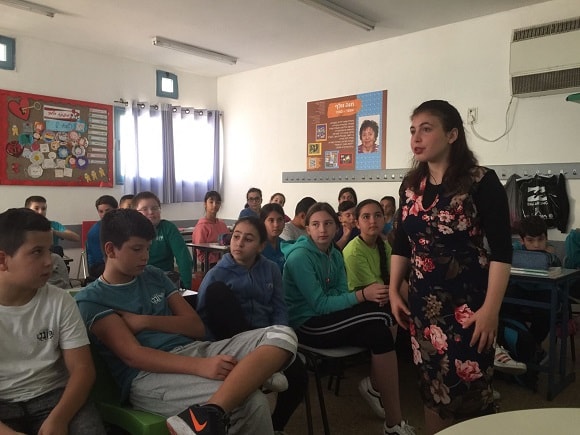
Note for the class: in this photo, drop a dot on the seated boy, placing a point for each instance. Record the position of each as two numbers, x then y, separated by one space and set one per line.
59 276
149 336
533 233
126 201
348 229
59 231
95 259
296 227
47 370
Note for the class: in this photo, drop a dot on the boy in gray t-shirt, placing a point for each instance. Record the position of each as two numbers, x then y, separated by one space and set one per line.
47 370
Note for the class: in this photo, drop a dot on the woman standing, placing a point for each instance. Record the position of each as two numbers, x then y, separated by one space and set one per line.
325 314
449 204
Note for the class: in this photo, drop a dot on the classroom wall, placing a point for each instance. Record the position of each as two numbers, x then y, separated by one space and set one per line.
265 109
466 63
67 72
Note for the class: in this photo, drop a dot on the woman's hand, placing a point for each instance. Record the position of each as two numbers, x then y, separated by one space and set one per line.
485 331
399 309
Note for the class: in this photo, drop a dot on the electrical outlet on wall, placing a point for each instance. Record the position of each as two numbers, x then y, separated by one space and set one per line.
472 115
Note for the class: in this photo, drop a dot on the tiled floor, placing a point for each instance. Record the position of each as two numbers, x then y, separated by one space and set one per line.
349 414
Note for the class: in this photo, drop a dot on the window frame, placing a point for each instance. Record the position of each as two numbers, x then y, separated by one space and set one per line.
159 89
10 44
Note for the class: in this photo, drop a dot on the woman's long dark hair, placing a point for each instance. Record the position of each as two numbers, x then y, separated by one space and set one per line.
379 242
457 177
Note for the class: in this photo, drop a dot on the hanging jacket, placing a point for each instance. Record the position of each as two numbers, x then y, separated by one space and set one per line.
545 196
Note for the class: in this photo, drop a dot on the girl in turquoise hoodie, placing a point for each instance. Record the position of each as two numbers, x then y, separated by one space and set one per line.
325 314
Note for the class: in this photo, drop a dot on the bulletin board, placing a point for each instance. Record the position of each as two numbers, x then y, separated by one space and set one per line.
336 138
51 141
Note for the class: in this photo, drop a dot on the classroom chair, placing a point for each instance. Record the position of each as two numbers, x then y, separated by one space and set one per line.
314 356
107 398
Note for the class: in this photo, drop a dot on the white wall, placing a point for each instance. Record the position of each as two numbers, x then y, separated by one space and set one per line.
465 63
61 71
265 110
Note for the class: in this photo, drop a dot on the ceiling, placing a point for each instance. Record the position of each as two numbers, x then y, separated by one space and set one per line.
258 32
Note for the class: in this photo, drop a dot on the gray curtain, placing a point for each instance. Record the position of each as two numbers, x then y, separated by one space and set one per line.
173 152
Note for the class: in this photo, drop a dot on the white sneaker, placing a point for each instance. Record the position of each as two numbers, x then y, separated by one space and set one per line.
372 397
496 395
503 362
399 429
276 383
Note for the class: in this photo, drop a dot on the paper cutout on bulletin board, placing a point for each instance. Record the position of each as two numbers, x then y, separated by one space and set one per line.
55 141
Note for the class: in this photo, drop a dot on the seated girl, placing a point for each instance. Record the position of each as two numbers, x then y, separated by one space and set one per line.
367 260
168 247
244 291
279 198
389 206
209 227
325 314
272 215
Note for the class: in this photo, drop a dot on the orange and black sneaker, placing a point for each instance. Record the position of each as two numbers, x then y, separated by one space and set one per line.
199 420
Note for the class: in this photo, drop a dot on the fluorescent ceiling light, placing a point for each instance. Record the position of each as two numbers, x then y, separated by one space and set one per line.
342 13
30 7
159 41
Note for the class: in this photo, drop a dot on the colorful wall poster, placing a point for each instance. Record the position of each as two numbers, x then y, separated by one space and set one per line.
54 141
347 133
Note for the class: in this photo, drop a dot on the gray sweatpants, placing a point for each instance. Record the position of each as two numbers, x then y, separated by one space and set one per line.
168 393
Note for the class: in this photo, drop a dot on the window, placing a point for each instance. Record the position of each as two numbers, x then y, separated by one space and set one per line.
167 85
7 52
169 150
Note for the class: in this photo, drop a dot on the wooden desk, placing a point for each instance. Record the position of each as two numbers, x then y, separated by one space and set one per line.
206 248
559 288
553 421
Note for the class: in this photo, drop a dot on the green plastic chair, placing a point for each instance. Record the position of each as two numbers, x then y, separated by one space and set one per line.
107 398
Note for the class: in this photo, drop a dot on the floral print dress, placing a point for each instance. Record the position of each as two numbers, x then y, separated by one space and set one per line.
448 283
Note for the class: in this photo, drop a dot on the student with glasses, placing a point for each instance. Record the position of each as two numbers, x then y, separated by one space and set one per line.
168 246
253 203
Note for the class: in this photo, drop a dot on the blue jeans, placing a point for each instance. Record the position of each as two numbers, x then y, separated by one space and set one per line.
28 416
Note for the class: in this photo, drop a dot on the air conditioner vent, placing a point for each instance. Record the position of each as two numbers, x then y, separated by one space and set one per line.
554 28
545 83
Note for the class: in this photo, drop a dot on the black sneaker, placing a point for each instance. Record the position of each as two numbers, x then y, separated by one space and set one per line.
202 420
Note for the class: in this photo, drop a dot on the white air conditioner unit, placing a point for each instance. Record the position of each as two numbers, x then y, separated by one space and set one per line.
545 59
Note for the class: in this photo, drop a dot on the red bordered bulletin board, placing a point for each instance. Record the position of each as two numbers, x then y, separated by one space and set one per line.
51 141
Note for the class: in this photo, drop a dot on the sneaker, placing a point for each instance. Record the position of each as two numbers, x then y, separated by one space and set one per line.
496 395
275 383
399 429
372 397
202 420
503 362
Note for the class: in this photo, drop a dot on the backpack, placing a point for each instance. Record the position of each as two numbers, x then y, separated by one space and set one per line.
517 339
